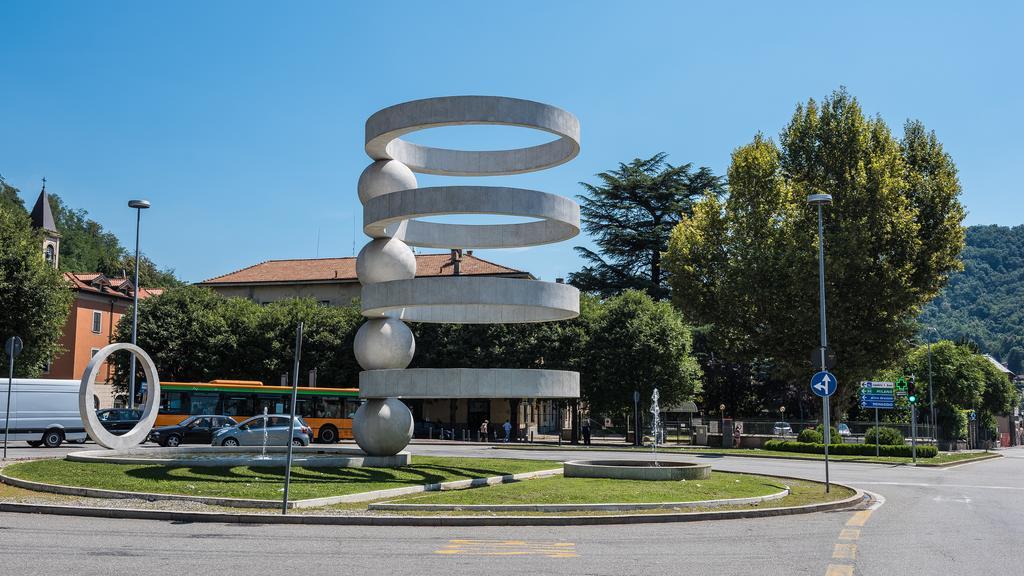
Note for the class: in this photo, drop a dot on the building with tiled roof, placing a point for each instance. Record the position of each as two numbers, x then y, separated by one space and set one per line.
333 280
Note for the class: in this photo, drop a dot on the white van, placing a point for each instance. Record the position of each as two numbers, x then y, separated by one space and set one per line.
43 412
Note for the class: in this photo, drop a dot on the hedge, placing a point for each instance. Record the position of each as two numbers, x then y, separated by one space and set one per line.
890 436
809 436
850 449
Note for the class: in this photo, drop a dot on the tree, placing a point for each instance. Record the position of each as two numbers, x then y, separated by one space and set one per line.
630 215
639 344
34 299
747 265
9 198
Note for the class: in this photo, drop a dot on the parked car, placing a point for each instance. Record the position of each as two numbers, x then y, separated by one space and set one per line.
782 429
272 429
43 412
843 430
192 430
119 420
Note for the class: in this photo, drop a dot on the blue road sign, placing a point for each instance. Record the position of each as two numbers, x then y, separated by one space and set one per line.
823 384
877 397
878 405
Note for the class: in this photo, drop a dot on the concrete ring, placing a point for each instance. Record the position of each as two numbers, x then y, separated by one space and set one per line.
468 383
558 217
471 300
96 431
386 127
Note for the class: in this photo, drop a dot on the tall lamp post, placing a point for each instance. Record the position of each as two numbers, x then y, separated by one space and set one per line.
820 201
931 398
139 206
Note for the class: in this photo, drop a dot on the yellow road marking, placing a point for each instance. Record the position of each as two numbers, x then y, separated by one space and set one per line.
859 518
850 534
839 570
845 551
509 548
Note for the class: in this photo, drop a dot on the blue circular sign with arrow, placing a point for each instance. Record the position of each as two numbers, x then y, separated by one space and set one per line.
824 384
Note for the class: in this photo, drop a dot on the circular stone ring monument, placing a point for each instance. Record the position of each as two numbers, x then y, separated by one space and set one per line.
93 427
386 127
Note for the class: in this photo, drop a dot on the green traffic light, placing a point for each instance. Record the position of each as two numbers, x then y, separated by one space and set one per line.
913 399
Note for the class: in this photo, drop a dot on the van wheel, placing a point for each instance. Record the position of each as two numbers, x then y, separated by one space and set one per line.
53 438
35 443
328 435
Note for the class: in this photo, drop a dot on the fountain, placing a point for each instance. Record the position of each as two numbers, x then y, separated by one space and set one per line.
655 425
263 451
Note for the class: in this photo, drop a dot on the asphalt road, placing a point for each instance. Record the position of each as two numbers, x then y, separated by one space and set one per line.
965 520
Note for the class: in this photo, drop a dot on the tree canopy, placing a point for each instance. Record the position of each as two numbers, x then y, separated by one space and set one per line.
630 215
34 299
747 266
983 304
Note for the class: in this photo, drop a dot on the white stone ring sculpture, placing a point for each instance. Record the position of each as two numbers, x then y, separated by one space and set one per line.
93 427
386 127
471 300
558 218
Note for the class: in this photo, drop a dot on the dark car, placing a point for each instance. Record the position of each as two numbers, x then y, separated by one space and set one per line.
192 430
119 420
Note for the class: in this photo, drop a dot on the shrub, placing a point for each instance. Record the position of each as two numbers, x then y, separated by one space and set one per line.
832 429
809 436
886 436
850 449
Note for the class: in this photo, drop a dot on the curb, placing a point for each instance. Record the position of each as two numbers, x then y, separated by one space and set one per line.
578 507
274 504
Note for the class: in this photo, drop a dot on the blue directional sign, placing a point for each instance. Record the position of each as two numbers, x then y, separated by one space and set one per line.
824 384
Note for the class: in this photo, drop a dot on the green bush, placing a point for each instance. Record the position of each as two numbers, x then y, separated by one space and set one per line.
886 436
850 449
809 436
832 429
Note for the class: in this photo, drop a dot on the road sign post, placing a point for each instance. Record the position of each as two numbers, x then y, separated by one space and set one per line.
876 433
12 347
880 396
824 384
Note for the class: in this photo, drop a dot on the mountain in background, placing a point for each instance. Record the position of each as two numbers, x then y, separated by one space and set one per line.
86 247
984 304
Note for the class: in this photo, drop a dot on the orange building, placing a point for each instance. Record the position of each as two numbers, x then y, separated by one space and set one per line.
98 306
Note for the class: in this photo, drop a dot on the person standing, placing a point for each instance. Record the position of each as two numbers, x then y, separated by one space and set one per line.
586 431
483 431
507 427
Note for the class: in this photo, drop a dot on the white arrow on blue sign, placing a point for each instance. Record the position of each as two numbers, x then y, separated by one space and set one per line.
824 384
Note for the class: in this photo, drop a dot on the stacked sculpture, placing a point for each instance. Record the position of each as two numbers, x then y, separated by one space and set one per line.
393 212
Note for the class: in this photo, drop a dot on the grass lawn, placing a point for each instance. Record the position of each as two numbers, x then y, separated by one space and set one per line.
544 490
559 490
942 458
264 483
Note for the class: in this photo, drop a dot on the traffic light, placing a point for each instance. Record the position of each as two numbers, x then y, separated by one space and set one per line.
912 390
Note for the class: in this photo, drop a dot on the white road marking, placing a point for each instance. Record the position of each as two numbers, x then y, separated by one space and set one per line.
924 485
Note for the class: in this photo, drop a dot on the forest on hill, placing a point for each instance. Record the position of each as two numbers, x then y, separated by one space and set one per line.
984 304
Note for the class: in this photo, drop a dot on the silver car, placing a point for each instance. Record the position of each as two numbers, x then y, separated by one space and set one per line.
271 430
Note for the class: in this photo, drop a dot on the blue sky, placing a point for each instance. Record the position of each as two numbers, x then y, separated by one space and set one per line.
242 122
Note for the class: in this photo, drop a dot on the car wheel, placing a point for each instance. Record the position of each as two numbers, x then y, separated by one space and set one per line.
172 441
328 435
53 438
230 442
35 443
298 442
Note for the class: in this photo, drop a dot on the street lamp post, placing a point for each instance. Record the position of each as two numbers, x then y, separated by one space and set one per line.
931 398
139 206
820 201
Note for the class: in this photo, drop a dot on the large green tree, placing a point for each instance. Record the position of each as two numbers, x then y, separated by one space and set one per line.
34 299
630 215
747 266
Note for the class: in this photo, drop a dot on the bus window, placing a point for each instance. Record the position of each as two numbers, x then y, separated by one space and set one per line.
174 403
237 405
351 405
273 404
305 407
204 403
331 407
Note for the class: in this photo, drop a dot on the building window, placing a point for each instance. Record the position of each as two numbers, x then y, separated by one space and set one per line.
97 321
93 352
50 254
49 365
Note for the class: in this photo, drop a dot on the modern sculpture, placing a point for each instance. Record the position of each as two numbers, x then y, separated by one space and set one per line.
140 432
393 212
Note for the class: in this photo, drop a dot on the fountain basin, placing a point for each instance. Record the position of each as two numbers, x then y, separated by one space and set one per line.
636 470
306 456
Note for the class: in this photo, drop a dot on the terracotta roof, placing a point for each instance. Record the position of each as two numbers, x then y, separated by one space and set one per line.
97 283
344 270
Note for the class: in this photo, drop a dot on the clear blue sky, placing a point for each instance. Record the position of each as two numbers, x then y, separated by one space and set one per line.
242 122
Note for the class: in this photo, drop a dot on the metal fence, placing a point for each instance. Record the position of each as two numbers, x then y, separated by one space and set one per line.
857 429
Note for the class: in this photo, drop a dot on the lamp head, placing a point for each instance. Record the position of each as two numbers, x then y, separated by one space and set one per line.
140 204
819 199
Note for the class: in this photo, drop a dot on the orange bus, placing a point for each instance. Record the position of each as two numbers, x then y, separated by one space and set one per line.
328 411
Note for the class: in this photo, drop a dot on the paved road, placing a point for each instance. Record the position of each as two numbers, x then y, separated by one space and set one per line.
965 520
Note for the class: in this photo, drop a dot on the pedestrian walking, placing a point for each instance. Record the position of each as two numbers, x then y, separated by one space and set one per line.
586 432
483 431
507 427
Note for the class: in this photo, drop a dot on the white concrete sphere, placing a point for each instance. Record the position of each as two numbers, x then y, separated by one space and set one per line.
382 426
385 259
384 177
383 343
